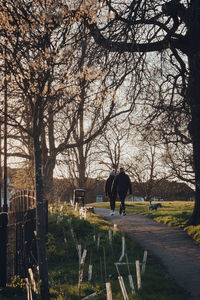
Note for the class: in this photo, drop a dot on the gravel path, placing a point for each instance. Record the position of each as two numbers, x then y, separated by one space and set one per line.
178 253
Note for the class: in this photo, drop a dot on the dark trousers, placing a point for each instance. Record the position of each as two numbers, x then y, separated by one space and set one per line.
112 200
122 196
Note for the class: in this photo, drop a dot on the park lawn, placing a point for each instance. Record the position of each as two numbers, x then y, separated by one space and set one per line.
172 213
63 260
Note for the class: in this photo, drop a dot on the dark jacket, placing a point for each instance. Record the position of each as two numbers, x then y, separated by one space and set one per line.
108 186
122 183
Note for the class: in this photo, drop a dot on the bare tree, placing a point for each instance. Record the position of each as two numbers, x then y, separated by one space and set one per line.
166 27
178 158
112 146
145 164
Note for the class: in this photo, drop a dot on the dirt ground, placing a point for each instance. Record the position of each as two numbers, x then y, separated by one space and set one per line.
177 252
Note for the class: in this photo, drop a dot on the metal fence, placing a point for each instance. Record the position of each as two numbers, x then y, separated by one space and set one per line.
18 237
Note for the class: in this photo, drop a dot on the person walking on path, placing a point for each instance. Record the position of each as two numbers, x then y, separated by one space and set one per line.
108 189
121 185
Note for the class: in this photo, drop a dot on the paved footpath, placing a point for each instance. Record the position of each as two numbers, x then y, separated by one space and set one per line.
178 253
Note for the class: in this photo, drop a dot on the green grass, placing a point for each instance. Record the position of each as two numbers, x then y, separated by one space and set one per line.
175 213
64 264
63 261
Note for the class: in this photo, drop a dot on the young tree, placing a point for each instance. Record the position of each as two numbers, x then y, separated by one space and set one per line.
160 27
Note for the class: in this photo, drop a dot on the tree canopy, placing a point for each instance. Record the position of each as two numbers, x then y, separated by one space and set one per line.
170 29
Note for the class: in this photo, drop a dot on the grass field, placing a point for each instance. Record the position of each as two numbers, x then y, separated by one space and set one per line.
63 261
66 231
174 213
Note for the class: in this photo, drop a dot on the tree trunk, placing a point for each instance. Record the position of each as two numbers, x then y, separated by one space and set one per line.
48 179
194 128
82 168
40 222
49 156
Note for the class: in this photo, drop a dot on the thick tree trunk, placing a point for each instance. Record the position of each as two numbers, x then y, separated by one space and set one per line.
194 128
40 222
48 179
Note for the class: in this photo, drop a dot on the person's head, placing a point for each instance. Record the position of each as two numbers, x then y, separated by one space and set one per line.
121 170
112 173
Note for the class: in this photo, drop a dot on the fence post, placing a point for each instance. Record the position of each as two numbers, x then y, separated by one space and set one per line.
3 248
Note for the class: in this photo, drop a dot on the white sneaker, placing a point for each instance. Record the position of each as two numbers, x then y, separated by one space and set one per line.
112 213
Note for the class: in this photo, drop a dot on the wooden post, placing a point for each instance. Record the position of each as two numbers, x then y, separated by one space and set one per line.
123 288
79 253
108 291
80 278
114 229
130 278
90 273
137 263
123 249
32 280
29 291
144 262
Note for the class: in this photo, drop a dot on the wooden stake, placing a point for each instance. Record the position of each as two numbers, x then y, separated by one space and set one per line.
123 288
29 291
137 263
130 277
114 229
108 291
32 280
123 249
79 253
90 273
80 279
144 262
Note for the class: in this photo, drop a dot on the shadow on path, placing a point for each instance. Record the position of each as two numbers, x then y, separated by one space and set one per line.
178 252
